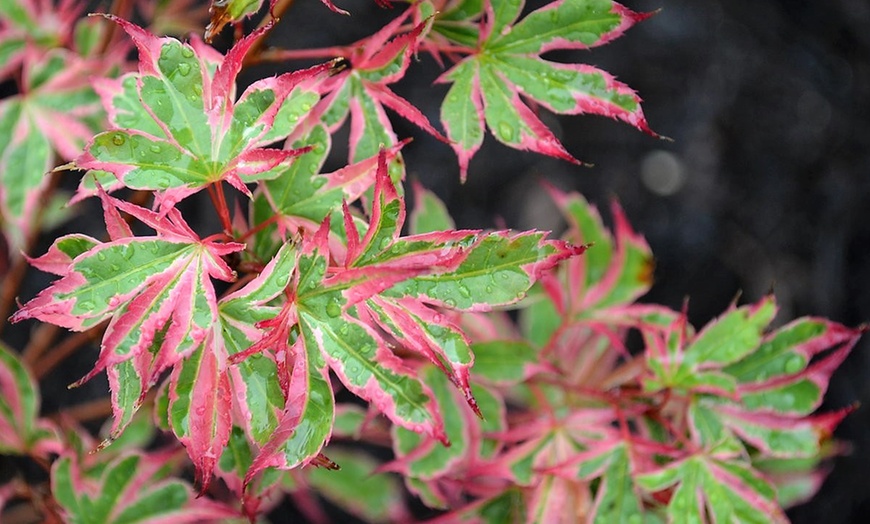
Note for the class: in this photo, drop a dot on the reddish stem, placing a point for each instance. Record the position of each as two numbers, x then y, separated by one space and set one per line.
277 11
41 339
281 55
70 345
224 210
259 227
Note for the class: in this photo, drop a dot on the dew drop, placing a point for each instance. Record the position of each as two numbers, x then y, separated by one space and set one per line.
118 139
162 183
554 16
464 291
87 305
187 52
794 364
184 69
317 182
488 289
101 256
333 309
450 302
506 131
154 148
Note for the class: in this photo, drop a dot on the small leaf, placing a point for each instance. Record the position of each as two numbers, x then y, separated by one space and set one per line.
21 431
358 489
56 114
170 137
505 63
127 489
728 490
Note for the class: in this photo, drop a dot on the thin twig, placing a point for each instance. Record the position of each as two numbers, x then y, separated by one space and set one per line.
276 12
39 342
66 348
96 409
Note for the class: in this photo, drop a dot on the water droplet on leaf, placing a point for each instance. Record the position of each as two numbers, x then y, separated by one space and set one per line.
333 309
155 148
794 364
187 52
118 139
183 69
87 305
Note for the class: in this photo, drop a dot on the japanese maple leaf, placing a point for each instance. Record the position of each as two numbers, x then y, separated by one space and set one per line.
436 473
362 89
177 125
55 114
131 487
300 196
332 313
36 25
745 386
560 455
589 300
22 432
715 487
505 66
156 292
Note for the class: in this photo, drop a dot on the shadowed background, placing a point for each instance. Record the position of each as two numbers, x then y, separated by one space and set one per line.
765 186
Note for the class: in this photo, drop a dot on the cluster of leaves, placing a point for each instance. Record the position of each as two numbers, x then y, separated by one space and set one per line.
335 304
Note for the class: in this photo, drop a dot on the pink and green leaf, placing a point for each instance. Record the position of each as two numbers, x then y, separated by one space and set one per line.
56 114
129 488
429 214
358 489
498 271
727 490
156 290
487 85
21 430
178 128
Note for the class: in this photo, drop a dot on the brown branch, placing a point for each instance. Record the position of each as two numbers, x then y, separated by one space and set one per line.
66 348
97 409
40 340
275 14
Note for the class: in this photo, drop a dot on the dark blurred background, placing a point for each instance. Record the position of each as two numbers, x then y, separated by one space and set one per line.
766 184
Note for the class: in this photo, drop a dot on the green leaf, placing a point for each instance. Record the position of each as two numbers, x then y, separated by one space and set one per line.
488 84
358 489
130 488
429 214
21 431
54 117
504 362
499 270
170 138
728 490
